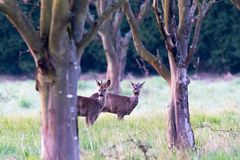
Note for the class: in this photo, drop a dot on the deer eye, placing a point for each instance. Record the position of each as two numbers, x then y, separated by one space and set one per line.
104 90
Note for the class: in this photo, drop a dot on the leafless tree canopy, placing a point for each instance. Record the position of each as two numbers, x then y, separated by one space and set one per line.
176 33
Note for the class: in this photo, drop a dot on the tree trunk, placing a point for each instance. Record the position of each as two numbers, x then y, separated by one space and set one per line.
113 72
122 64
180 134
122 43
57 49
58 112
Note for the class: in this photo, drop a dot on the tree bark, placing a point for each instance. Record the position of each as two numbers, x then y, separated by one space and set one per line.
116 45
58 90
122 54
58 132
156 63
180 134
108 40
57 50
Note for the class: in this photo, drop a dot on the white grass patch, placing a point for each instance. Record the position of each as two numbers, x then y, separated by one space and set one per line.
204 96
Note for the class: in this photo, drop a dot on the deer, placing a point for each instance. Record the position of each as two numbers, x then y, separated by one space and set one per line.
122 105
90 107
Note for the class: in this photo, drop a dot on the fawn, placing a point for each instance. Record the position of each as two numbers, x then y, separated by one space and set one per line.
90 107
121 105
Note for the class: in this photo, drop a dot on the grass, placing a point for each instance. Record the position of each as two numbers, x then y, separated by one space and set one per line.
215 117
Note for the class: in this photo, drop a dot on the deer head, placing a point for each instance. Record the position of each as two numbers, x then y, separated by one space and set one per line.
136 88
103 89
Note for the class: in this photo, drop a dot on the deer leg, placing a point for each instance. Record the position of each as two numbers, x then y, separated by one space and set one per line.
87 121
93 119
120 116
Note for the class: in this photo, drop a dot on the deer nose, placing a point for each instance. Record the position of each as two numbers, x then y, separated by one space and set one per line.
136 93
100 95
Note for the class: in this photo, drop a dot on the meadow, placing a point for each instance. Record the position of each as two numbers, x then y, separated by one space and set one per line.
215 118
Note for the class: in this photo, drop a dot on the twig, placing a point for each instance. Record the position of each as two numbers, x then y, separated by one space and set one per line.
142 146
218 130
143 67
35 5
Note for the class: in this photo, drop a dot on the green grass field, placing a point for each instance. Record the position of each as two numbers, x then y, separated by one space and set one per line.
215 118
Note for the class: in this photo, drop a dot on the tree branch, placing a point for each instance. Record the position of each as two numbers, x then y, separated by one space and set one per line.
45 18
23 25
236 3
91 34
207 5
141 50
193 46
184 27
59 21
160 21
235 132
202 11
71 4
170 40
169 17
144 10
117 19
80 11
90 18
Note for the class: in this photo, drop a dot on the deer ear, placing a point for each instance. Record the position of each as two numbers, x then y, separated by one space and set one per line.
141 84
98 83
108 83
132 84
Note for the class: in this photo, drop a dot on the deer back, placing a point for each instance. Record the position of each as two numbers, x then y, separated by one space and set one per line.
86 105
115 103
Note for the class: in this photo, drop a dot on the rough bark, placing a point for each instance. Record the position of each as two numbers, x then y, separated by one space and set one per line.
108 41
97 24
141 50
57 49
176 35
115 43
59 137
180 134
113 72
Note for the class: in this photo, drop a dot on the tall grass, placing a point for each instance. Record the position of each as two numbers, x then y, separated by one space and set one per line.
215 117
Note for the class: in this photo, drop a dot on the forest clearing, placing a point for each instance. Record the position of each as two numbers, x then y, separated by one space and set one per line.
183 104
214 108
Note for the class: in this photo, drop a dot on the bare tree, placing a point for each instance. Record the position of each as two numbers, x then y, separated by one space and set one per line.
236 3
115 43
57 48
180 46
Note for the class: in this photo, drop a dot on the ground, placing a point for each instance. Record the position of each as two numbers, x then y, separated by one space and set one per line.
214 107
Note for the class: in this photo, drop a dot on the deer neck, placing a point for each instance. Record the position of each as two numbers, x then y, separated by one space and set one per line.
134 99
101 100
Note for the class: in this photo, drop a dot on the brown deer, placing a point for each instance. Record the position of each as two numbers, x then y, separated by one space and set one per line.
121 105
91 107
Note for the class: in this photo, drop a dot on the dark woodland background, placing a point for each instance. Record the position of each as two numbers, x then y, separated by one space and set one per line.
218 48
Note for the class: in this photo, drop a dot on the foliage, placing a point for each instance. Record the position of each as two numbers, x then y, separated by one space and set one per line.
218 51
219 47
11 45
14 55
94 58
